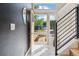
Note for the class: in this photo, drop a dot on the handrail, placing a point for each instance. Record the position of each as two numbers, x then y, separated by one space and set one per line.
70 35
65 38
66 42
66 22
66 26
65 30
66 14
64 35
67 18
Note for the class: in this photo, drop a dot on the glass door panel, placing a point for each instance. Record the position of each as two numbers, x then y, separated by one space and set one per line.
40 23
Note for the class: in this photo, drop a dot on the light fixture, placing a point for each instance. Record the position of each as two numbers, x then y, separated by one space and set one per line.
24 15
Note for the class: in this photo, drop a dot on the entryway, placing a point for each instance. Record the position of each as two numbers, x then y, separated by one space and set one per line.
42 32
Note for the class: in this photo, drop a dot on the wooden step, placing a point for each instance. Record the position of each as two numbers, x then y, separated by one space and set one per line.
74 52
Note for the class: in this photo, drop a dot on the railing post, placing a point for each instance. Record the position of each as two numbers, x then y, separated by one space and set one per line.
77 13
56 40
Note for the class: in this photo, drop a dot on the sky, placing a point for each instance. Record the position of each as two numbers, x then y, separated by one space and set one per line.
47 6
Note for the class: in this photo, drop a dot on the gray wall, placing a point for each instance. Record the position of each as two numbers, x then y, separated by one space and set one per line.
12 43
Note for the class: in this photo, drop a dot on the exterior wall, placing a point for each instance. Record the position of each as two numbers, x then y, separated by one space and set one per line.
13 43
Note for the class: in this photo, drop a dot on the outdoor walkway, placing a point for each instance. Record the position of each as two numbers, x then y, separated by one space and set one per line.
42 50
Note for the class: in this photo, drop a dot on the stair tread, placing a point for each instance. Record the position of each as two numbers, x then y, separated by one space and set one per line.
75 51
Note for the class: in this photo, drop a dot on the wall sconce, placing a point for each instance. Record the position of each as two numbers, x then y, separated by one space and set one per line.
24 15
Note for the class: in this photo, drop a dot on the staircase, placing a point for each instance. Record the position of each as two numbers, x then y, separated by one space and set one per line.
74 52
66 28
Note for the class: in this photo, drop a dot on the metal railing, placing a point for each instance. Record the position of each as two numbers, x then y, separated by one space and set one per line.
67 31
